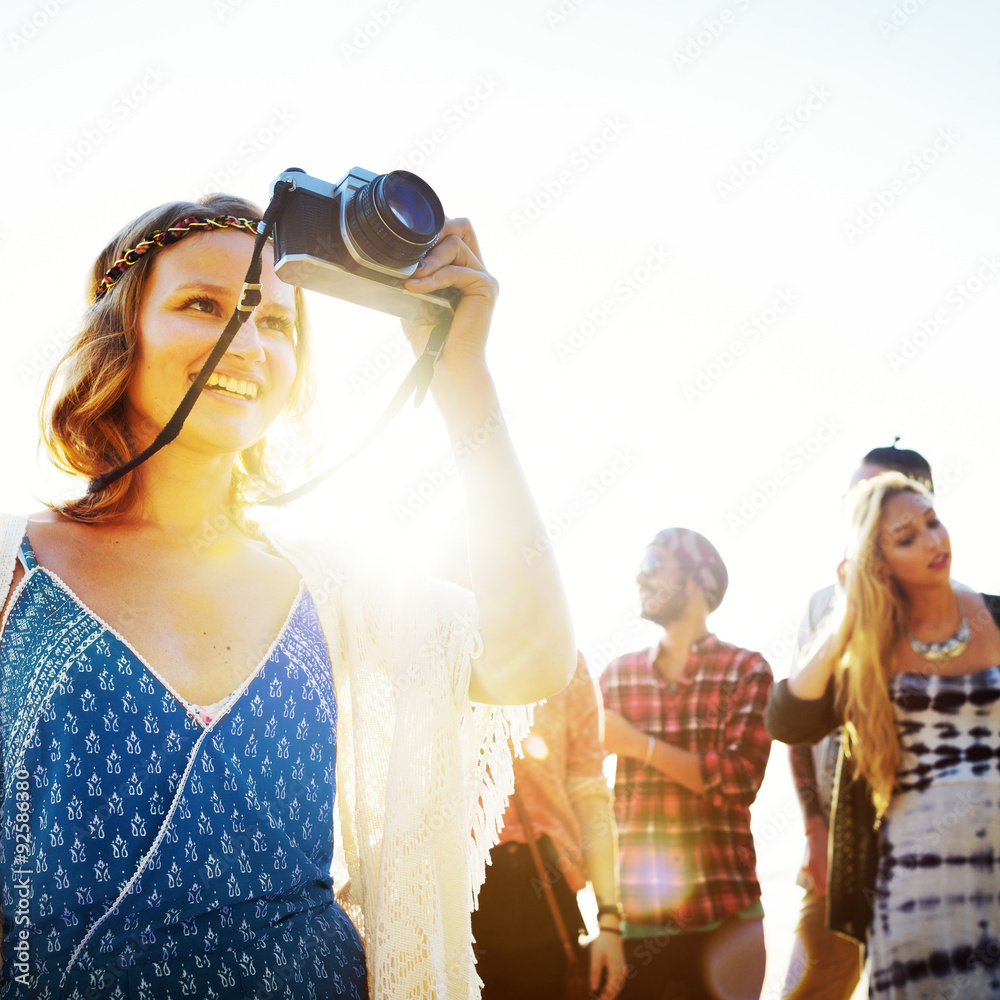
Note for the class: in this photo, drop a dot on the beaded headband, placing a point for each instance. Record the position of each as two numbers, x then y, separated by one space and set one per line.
164 238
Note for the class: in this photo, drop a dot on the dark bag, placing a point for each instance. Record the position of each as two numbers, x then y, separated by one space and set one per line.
854 856
577 985
518 947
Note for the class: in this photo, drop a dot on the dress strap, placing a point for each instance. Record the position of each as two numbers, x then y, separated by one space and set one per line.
27 555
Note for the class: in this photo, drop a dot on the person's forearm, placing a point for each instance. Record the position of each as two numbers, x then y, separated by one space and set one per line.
804 777
797 720
682 766
811 681
600 847
529 649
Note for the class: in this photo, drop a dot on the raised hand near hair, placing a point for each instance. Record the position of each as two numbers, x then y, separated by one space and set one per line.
845 571
812 679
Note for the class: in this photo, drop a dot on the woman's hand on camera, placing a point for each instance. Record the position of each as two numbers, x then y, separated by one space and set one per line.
455 261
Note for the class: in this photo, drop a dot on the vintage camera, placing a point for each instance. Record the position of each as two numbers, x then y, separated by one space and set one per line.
360 239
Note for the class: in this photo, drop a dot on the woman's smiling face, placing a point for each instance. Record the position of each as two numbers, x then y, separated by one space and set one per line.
190 294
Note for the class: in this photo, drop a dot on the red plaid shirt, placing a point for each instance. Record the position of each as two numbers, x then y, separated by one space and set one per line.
688 860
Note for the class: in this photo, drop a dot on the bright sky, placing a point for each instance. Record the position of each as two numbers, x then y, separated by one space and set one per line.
740 242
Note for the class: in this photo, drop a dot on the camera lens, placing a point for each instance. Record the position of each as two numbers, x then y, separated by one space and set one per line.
394 219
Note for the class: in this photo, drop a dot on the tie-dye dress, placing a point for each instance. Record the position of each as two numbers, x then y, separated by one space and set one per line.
937 908
147 854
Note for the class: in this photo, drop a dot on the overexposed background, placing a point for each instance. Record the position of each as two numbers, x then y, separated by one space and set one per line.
651 183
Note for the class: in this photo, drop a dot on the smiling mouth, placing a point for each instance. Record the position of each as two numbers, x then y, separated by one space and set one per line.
231 387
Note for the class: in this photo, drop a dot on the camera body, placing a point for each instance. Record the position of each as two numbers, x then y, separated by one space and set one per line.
359 240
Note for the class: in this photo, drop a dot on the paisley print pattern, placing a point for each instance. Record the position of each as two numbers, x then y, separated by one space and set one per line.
148 854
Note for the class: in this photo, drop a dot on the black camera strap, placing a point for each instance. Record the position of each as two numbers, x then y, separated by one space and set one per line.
249 300
417 380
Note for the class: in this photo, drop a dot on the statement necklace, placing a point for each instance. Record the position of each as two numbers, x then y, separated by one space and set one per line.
946 649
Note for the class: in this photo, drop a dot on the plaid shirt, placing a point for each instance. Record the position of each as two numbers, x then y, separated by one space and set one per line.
688 860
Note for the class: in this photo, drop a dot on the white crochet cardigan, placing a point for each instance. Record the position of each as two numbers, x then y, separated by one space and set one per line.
423 775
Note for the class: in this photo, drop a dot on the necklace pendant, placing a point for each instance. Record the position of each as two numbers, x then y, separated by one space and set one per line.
946 649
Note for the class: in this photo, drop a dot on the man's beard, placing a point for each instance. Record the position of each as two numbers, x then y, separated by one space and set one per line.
669 608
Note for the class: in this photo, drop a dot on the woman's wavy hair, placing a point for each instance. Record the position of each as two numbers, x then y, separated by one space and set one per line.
864 651
83 412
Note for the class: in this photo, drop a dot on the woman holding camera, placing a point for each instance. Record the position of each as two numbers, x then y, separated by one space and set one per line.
182 694
912 672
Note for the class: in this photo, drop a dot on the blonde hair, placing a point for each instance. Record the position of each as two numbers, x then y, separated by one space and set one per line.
83 418
864 650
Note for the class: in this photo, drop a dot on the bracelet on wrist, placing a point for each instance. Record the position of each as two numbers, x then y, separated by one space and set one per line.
650 747
610 910
609 930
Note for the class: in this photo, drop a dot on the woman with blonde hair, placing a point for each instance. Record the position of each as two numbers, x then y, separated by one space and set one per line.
911 671
182 694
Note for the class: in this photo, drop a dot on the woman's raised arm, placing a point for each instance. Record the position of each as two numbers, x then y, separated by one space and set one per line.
529 650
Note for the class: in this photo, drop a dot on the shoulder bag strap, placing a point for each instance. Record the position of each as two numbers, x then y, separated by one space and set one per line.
550 896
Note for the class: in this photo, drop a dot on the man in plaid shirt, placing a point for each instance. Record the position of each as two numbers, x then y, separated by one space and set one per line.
686 719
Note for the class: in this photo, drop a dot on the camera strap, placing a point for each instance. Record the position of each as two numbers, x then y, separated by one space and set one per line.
249 300
415 384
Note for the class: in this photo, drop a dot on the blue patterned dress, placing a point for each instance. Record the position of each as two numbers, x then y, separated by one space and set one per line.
936 928
147 855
